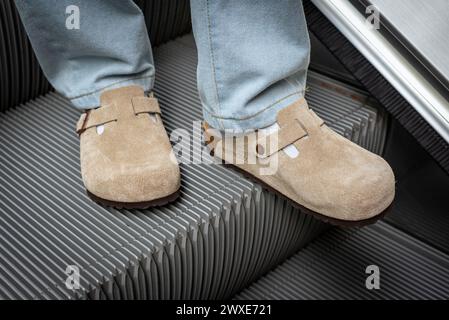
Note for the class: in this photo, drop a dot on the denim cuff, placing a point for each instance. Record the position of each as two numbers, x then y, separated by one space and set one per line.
92 100
262 119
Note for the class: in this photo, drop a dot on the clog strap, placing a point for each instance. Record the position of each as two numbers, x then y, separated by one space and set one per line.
106 114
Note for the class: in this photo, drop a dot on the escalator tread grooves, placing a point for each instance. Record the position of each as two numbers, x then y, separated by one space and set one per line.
333 267
222 234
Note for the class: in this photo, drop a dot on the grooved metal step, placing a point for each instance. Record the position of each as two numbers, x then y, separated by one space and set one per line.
333 267
421 206
222 234
20 75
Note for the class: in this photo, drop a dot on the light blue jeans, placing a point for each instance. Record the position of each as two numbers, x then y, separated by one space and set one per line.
253 55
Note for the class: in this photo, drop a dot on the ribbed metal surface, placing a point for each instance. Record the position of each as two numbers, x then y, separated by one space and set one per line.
223 233
21 78
165 20
421 207
324 62
377 85
429 223
349 111
333 267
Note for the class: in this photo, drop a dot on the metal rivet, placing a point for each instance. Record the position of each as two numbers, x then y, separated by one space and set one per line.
260 150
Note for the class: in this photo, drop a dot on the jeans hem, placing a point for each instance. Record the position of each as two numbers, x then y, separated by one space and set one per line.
258 120
92 100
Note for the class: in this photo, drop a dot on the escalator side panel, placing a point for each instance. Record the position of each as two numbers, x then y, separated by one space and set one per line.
377 85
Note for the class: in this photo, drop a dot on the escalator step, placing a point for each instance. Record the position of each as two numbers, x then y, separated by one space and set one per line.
222 234
21 77
333 267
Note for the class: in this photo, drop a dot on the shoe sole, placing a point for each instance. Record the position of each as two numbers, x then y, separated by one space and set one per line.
326 219
135 205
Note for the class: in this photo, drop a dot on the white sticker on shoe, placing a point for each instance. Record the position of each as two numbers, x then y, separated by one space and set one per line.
291 151
100 129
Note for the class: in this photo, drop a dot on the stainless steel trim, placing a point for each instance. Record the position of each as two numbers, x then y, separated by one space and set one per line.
402 75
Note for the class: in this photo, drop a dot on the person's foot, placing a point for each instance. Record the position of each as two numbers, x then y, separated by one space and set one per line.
126 159
323 173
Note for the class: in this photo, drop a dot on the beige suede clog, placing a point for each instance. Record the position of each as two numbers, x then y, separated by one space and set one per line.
330 178
125 152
